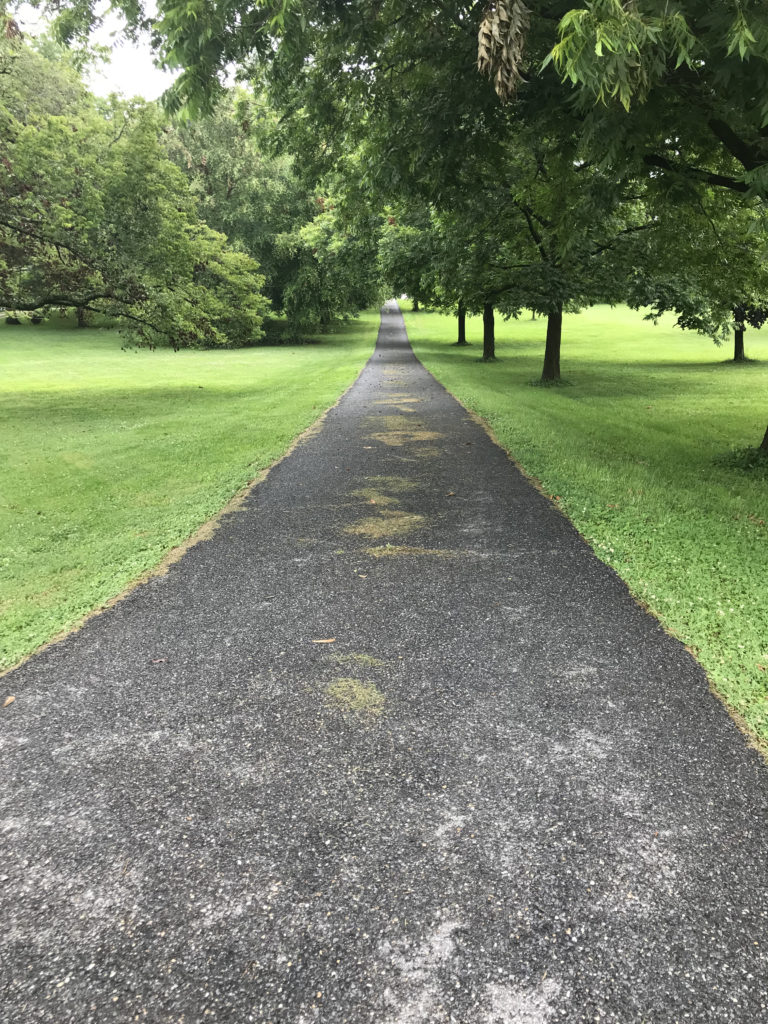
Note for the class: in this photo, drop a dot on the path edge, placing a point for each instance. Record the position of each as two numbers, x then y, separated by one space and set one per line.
755 742
203 533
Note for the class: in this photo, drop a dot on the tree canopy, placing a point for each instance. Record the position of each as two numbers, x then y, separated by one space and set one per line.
479 155
95 216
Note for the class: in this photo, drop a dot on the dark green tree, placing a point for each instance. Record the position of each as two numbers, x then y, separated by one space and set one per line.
95 217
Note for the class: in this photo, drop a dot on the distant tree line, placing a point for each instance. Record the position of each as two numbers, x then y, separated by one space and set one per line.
482 157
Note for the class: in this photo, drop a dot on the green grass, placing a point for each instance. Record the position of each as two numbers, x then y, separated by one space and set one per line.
636 453
111 458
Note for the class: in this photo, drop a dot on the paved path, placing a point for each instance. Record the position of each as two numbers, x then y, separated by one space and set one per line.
502 795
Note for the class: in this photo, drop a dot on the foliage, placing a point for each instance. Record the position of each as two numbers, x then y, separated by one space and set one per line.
408 253
96 217
500 44
336 270
700 70
242 188
708 262
319 261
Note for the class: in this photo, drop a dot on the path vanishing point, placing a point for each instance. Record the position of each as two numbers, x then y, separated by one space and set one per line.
501 795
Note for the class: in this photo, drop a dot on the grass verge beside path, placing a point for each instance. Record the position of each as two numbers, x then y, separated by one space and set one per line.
111 458
630 453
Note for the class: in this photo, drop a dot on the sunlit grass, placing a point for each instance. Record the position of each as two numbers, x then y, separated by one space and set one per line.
111 457
632 452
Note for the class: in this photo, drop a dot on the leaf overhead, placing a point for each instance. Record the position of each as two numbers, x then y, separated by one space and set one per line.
501 43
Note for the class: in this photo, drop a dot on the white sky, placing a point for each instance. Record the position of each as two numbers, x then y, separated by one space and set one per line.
131 70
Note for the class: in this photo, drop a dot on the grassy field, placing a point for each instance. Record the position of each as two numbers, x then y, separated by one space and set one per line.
111 457
631 453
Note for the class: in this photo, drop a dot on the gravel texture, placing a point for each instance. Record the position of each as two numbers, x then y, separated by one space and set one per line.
502 795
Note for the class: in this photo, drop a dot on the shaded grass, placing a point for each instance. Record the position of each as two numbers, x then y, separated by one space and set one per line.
637 454
111 457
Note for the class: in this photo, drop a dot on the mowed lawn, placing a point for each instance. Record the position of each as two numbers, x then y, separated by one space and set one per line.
110 458
631 452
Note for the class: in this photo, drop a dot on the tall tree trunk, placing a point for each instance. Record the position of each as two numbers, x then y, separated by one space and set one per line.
533 314
462 318
764 445
489 333
551 370
738 344
80 316
415 305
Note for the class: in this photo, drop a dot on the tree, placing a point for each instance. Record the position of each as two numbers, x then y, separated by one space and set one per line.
407 252
680 89
693 76
95 217
395 79
243 188
336 269
706 261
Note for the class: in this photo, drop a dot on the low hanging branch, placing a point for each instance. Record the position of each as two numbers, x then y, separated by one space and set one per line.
500 44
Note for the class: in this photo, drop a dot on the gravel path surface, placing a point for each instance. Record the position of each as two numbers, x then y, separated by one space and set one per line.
502 795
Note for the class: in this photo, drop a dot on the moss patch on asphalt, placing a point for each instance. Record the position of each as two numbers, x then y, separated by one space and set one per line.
398 438
357 696
402 550
387 523
373 496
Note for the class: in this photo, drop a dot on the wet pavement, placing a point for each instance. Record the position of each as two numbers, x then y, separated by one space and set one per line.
393 747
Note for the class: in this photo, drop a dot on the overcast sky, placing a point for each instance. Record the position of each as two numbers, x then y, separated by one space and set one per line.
130 71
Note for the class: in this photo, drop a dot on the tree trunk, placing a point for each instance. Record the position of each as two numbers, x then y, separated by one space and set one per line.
415 305
462 318
551 369
533 314
80 316
764 445
738 344
489 334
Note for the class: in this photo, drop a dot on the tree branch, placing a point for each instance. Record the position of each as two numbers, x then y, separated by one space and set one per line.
55 300
625 231
736 146
696 173
538 241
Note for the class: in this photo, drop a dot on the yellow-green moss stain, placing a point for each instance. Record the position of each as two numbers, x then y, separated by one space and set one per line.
401 551
397 438
375 497
396 484
356 696
388 523
399 430
392 421
398 397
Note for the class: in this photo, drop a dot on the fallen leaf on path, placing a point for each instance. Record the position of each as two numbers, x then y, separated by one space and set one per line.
8 700
451 494
332 641
156 661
